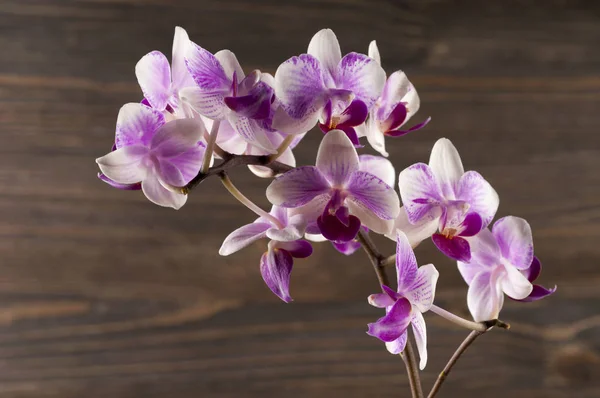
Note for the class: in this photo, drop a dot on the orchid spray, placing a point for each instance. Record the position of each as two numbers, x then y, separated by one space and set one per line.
201 116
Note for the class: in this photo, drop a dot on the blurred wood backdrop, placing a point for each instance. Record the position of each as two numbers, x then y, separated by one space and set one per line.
103 294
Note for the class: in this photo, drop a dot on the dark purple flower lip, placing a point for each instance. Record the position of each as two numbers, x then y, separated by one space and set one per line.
532 273
354 115
454 247
399 133
334 230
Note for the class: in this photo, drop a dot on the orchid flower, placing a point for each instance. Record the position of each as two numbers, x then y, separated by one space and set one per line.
158 155
286 243
532 273
321 85
343 196
160 83
415 293
441 196
501 263
224 93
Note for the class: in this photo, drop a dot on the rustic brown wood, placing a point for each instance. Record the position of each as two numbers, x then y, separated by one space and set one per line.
103 294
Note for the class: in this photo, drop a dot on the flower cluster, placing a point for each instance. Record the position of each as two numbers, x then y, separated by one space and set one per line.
202 108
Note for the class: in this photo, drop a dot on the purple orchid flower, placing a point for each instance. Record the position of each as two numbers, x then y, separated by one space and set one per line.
323 85
160 83
224 93
156 154
532 273
441 196
285 232
415 293
501 263
336 189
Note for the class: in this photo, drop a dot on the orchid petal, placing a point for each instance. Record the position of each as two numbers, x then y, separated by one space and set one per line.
283 122
472 225
230 64
181 45
126 187
485 249
243 236
255 105
469 270
287 234
538 293
368 218
374 52
325 47
371 193
154 76
297 249
177 137
381 300
456 248
136 124
394 323
297 187
124 165
416 233
347 248
420 331
534 270
406 263
337 231
479 194
275 268
400 133
157 193
374 135
208 104
446 165
361 75
515 284
337 158
421 290
515 240
420 193
252 132
485 297
379 167
397 346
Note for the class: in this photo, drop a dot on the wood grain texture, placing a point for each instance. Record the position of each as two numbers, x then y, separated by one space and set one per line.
103 294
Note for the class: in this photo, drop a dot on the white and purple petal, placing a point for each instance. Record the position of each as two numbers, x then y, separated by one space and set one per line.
362 75
420 333
420 193
406 263
125 165
371 193
479 194
136 125
446 165
485 296
394 323
515 284
297 187
515 240
157 193
154 77
337 159
275 268
243 237
421 291
379 167
325 47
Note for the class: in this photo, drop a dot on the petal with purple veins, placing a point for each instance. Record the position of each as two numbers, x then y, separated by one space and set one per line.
337 158
177 137
416 233
371 193
515 240
181 44
379 167
243 237
397 346
394 323
406 263
154 76
136 124
255 105
208 104
421 290
252 132
362 75
369 219
297 187
275 268
230 64
420 333
420 193
479 194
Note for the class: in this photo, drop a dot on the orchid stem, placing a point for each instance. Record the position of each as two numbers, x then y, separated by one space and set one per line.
227 183
459 351
476 326
408 355
210 146
287 141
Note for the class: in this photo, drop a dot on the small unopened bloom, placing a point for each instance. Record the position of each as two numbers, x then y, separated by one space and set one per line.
404 307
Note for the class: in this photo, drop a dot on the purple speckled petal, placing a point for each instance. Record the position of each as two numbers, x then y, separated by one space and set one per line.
538 293
421 291
255 105
156 192
334 230
337 158
347 248
420 333
125 165
394 323
368 218
126 187
456 248
406 263
371 193
397 346
275 268
446 165
325 47
154 76
471 225
479 194
243 236
362 75
252 132
485 297
297 187
136 125
210 104
299 86
399 133
515 240
297 249
420 193
379 167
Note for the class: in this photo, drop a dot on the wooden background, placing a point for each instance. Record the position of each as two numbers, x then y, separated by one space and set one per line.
103 294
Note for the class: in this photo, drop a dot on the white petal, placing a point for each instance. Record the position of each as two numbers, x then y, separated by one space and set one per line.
181 45
243 237
420 332
485 296
515 284
125 164
379 167
337 158
374 52
375 137
230 64
446 164
369 219
398 345
156 192
325 47
416 233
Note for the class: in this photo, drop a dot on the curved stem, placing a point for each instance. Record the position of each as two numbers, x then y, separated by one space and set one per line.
210 145
476 326
227 183
287 141
459 351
